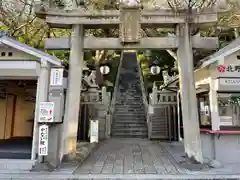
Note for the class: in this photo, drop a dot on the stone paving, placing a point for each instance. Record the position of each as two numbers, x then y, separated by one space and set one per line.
130 156
176 150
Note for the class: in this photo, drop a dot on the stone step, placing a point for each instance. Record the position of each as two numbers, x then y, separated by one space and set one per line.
132 106
124 97
129 130
119 108
129 105
130 110
132 119
130 113
130 134
129 125
16 164
130 122
132 129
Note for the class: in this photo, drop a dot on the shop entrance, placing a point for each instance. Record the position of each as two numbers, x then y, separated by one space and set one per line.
17 104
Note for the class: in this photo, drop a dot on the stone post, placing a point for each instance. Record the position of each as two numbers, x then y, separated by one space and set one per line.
74 91
192 141
104 96
214 105
41 96
154 94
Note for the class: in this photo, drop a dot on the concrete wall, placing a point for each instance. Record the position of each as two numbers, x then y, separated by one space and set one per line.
202 75
223 148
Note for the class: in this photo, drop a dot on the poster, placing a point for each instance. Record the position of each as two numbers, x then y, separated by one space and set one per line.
46 112
56 77
43 140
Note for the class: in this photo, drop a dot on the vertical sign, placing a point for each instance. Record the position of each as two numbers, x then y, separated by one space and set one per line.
130 24
56 78
46 112
94 131
43 140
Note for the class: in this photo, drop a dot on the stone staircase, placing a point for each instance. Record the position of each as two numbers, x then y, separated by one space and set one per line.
129 118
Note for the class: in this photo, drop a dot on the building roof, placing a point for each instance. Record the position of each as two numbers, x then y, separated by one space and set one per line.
231 48
29 50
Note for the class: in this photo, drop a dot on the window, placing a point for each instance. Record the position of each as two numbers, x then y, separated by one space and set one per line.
163 98
204 109
229 109
169 99
3 54
10 54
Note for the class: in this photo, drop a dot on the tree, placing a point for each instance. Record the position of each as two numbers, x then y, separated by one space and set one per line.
18 19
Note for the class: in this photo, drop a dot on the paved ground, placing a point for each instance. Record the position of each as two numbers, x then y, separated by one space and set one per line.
176 150
132 159
130 156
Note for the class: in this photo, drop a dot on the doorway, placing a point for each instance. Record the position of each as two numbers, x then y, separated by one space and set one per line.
16 120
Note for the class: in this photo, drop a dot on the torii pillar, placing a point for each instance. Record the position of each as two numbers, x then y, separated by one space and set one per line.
73 92
192 141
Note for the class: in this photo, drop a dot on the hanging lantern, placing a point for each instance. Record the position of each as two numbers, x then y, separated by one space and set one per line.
155 69
104 69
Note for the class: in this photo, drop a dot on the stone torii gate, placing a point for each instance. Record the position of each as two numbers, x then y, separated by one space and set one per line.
129 20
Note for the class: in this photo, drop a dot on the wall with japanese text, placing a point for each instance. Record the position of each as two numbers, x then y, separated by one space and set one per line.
230 67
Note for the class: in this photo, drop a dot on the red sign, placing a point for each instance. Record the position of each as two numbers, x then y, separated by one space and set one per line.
221 68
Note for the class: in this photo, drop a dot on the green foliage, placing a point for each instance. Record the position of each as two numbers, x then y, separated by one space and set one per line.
110 78
164 60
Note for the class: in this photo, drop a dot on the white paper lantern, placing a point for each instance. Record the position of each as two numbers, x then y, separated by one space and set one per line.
104 70
155 70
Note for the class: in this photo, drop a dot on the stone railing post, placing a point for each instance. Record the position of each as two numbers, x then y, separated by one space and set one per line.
104 95
154 94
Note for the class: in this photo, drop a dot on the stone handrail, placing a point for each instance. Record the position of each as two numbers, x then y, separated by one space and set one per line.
143 89
112 103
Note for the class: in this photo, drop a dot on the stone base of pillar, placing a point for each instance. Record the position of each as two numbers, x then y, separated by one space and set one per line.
43 167
82 153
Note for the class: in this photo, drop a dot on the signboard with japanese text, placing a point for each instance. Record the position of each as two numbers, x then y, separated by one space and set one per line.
56 78
130 26
46 112
94 131
43 140
228 68
228 84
